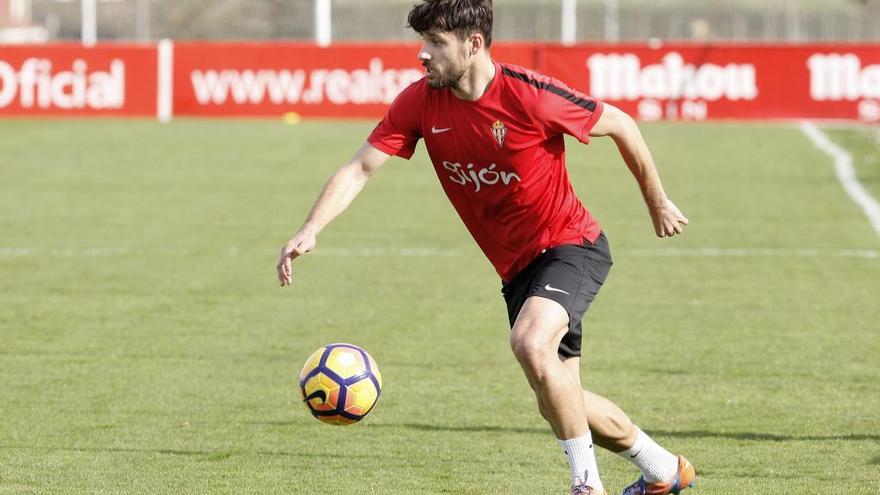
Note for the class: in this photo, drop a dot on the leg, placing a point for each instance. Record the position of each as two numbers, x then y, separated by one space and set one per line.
662 472
534 340
611 427
545 303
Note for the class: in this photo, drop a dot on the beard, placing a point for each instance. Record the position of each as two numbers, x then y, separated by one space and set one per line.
447 79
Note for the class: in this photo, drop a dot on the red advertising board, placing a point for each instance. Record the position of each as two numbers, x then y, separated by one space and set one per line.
69 79
697 82
650 81
352 80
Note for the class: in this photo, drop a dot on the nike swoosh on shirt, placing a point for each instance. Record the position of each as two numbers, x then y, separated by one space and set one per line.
554 289
434 130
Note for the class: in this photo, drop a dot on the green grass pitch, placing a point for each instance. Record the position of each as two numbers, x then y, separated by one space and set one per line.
145 346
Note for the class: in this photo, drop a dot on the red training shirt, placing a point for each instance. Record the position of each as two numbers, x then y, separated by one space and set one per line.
501 159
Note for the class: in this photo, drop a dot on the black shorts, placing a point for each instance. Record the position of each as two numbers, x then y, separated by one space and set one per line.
571 275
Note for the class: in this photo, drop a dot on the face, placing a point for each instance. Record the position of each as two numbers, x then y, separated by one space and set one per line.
445 58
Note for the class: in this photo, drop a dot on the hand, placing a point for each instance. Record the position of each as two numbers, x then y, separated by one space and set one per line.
668 219
300 244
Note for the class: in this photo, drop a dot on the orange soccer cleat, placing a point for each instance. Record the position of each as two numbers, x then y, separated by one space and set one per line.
683 479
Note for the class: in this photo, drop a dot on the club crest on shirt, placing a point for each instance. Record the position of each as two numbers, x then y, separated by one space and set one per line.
499 130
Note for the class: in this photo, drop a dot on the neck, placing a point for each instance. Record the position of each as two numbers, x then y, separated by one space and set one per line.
476 80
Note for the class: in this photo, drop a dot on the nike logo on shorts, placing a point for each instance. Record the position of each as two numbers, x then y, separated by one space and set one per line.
434 130
554 289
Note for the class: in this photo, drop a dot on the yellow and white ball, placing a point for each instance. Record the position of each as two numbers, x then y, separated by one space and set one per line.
340 384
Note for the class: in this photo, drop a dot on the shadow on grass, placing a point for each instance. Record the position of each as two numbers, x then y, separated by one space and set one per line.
206 455
699 434
463 429
764 437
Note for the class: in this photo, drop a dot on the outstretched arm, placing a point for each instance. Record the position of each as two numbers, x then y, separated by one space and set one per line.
338 193
666 217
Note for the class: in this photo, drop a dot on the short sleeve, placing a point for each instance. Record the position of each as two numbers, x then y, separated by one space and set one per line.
563 110
399 132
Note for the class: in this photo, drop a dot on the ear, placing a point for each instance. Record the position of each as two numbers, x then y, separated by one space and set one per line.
477 43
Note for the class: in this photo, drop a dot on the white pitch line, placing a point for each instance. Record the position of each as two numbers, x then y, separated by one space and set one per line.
846 173
711 252
66 253
383 251
425 252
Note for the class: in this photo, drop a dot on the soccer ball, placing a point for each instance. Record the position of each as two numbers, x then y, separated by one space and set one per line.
340 384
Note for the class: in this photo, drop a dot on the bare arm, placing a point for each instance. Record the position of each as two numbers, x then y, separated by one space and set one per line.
339 191
665 216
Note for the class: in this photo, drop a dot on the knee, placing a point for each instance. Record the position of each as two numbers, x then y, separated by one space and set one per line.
531 352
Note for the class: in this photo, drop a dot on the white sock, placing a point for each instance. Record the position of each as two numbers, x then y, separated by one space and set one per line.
656 463
582 461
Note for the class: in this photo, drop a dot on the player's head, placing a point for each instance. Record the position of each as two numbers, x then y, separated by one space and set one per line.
454 31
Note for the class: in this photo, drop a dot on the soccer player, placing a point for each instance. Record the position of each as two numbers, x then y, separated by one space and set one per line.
495 135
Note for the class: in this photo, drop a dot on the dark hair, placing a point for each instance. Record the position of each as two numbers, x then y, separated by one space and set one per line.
462 17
